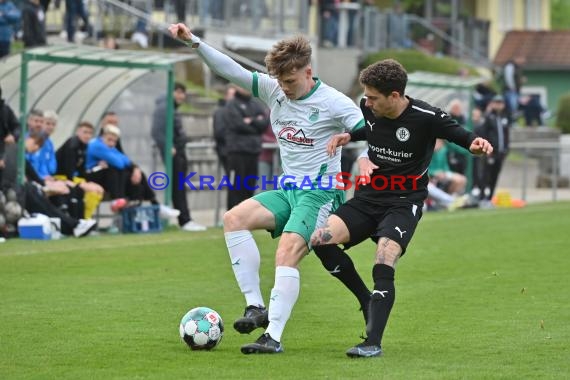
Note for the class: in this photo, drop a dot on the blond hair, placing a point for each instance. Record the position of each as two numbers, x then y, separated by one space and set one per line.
111 130
288 56
51 115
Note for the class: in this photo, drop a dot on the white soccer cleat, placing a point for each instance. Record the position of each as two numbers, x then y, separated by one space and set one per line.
167 212
84 227
192 226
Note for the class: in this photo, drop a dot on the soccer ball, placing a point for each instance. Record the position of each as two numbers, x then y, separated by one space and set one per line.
13 212
201 328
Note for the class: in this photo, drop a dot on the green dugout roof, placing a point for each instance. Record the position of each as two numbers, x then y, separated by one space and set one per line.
80 83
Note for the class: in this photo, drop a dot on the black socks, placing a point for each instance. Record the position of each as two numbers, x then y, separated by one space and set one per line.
381 302
339 264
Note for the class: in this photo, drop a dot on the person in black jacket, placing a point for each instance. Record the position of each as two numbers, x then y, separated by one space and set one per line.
245 120
220 127
34 24
37 191
179 161
457 161
70 159
495 128
9 131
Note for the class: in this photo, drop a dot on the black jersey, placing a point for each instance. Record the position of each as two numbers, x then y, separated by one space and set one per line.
402 149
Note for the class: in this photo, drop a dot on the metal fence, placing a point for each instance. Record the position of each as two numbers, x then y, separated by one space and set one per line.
202 159
551 159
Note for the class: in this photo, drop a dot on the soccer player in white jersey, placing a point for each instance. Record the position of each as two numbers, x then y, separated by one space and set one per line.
305 114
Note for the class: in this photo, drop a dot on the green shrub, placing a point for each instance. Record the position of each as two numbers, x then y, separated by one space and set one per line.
414 60
563 113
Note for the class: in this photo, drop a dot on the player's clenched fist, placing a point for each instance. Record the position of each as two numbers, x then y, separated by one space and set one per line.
180 31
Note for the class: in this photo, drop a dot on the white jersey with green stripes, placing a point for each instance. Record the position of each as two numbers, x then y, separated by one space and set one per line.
304 126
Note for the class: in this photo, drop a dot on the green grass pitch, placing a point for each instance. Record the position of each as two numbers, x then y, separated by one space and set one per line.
480 295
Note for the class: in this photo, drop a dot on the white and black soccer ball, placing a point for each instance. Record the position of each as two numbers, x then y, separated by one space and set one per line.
12 212
11 195
201 328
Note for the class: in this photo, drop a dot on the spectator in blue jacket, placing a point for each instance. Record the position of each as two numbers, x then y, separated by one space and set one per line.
47 164
9 18
107 166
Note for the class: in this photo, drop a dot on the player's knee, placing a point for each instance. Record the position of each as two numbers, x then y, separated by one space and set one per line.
461 181
232 221
323 236
290 252
315 240
287 258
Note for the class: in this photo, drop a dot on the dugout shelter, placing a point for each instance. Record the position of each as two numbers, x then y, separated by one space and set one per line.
82 82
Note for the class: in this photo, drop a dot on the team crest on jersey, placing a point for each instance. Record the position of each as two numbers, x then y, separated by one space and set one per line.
402 134
295 136
314 114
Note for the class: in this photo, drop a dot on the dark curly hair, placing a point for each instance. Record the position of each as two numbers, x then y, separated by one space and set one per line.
385 76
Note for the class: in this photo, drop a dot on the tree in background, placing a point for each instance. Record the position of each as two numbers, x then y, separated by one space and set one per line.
559 14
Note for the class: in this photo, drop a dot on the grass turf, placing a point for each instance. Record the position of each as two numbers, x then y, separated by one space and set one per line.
480 294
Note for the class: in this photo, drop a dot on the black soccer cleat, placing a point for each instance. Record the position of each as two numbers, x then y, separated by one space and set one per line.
253 318
364 350
265 344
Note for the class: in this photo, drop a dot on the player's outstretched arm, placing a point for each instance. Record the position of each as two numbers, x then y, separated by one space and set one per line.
337 141
366 167
180 31
481 146
218 62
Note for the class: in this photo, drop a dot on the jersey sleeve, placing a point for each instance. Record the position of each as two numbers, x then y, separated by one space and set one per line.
359 134
224 66
447 128
347 114
264 87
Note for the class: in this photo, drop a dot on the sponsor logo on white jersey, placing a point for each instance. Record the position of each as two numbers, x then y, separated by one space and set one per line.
295 136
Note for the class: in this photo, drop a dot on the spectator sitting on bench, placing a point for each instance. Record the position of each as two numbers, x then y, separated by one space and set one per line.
47 162
440 173
70 159
137 187
37 190
35 126
107 166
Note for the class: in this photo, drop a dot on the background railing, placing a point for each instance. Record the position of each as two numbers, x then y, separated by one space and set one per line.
368 28
466 39
203 160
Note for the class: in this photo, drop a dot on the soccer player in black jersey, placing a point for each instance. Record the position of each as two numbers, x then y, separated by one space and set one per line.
401 134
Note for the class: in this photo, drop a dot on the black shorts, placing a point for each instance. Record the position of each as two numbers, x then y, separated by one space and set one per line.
396 221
